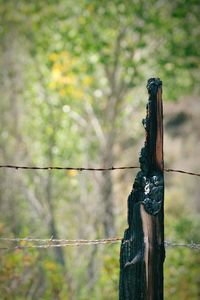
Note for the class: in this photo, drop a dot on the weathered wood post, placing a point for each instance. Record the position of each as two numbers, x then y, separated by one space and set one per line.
142 249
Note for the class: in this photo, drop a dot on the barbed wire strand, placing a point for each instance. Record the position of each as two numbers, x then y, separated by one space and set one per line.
30 240
90 169
191 245
52 243
182 172
67 168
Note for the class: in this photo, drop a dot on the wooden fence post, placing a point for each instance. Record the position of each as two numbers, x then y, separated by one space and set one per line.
142 249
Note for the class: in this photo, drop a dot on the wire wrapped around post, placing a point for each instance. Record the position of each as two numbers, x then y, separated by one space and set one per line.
142 249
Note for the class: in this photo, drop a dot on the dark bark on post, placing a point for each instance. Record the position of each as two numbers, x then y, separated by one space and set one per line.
142 249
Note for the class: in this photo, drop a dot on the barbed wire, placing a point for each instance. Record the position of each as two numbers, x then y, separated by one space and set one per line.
51 240
67 168
55 243
90 169
191 245
182 172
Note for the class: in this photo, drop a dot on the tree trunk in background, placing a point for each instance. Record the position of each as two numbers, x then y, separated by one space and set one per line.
52 224
59 253
12 84
106 188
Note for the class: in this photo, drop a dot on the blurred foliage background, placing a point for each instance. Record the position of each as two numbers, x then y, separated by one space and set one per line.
72 94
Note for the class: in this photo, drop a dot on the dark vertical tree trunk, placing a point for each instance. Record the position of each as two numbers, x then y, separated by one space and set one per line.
142 249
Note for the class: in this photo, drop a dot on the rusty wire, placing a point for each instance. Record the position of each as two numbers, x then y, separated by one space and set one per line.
16 167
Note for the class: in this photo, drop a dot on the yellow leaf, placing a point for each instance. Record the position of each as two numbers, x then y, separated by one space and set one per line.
62 92
51 266
53 56
23 243
72 173
87 80
56 73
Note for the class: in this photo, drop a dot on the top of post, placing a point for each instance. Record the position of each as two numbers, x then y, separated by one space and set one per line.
153 84
151 158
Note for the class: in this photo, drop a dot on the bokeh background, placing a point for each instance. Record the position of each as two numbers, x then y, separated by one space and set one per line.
73 76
